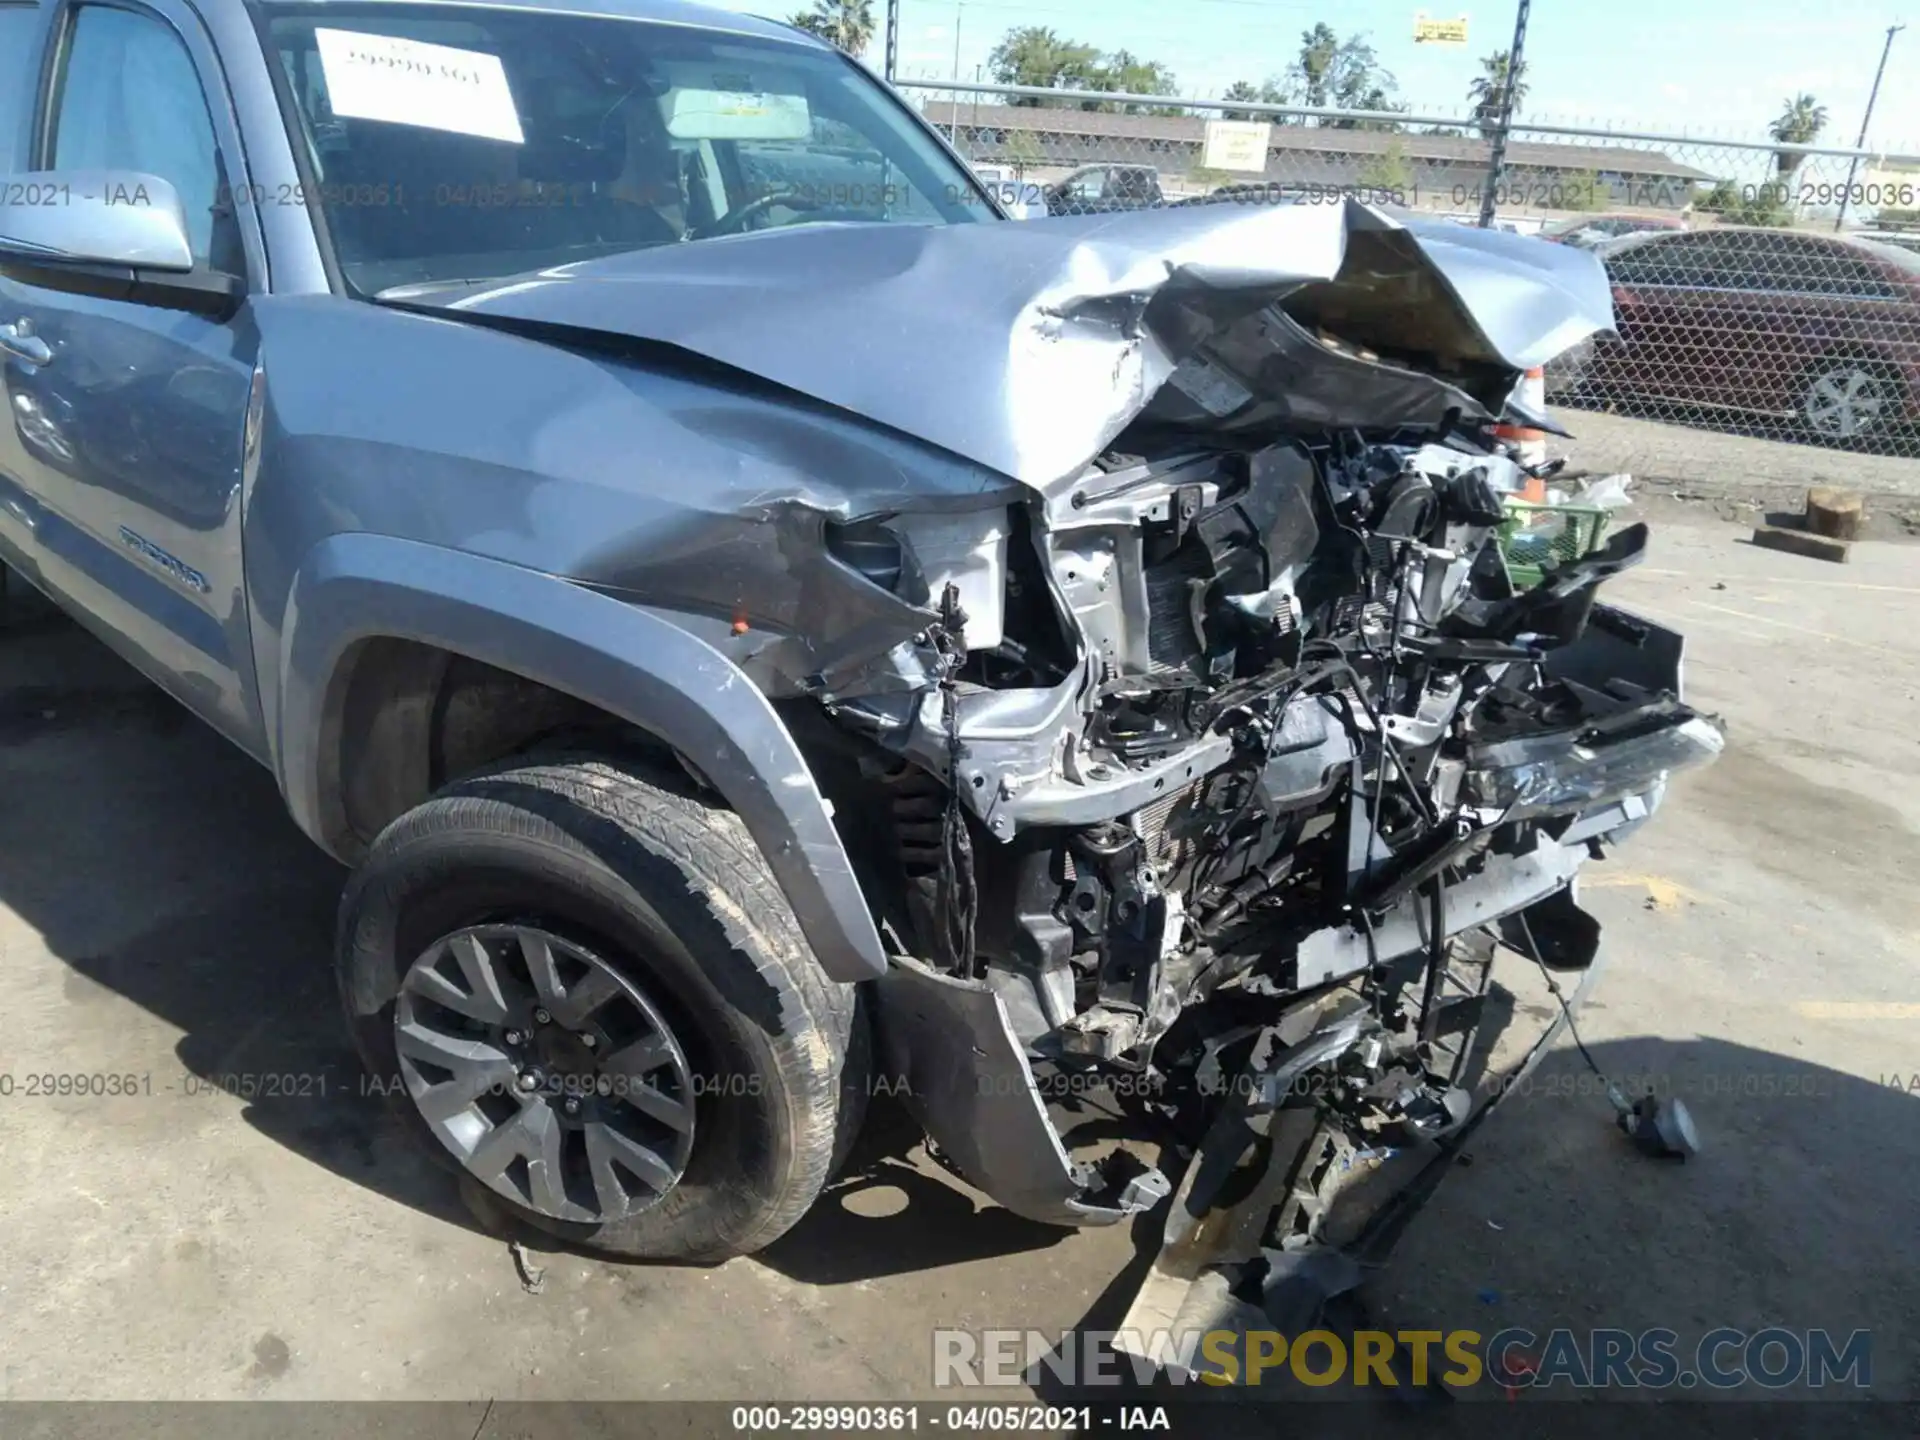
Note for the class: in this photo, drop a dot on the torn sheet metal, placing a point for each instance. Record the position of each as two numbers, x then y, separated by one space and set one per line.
969 1085
1505 884
1028 348
1228 1260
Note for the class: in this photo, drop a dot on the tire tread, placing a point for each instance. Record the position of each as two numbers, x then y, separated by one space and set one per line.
729 910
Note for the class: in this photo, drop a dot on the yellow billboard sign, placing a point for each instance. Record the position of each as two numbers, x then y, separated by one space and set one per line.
1428 31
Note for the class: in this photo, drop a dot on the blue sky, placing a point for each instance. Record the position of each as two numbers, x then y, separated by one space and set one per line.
1707 67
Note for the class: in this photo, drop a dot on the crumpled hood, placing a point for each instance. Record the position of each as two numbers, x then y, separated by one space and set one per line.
1030 346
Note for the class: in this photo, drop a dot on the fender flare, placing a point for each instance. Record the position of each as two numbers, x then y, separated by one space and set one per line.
624 659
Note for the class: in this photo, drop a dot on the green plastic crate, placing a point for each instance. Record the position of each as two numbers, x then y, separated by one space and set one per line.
1536 538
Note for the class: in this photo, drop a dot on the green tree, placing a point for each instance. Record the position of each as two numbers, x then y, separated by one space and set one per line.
1745 205
1312 72
1581 192
1034 55
1271 91
1332 73
1488 92
1127 74
1242 90
1374 100
1390 171
1718 200
1800 123
846 23
1022 151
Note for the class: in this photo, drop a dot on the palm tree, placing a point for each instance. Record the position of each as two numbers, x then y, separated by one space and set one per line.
1488 92
846 23
1800 123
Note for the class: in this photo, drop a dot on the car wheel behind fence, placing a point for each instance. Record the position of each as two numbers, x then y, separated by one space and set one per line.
1846 400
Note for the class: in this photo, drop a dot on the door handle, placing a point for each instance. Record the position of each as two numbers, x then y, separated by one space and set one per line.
19 341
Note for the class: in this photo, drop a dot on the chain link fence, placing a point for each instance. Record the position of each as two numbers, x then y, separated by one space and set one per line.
1748 309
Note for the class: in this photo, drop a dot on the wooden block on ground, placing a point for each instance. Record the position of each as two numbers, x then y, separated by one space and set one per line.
1801 542
1835 512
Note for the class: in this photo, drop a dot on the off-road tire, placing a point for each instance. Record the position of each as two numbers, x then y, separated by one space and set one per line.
670 890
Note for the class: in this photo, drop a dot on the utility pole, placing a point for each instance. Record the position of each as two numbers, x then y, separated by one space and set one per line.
1865 121
959 10
1498 159
893 38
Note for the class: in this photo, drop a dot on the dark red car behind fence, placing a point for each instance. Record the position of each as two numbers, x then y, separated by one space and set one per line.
1810 336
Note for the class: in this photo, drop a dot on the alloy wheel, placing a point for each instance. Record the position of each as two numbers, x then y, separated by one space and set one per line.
1845 402
550 1077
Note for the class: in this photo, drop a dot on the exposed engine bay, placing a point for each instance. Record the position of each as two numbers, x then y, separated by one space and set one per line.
1315 745
1246 863
1217 780
1141 617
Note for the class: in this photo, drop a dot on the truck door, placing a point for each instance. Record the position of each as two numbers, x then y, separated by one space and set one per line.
121 469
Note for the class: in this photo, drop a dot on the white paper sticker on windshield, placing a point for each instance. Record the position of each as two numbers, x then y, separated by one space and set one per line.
408 82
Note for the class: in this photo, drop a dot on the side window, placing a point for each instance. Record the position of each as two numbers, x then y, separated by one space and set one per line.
130 100
1661 262
1712 260
1629 267
1822 268
838 163
1089 186
1742 260
19 58
1798 268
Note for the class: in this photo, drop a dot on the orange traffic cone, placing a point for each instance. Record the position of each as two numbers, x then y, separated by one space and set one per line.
1531 443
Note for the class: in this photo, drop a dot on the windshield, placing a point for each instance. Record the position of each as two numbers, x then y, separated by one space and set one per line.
452 143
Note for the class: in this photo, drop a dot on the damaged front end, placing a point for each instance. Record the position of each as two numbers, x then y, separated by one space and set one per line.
1216 777
1190 739
1247 858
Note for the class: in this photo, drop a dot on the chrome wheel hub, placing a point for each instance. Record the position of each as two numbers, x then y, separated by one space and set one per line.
1845 402
547 1074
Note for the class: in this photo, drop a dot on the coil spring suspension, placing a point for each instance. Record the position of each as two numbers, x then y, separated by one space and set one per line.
918 804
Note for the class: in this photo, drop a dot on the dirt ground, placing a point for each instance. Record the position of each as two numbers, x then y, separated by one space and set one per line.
161 919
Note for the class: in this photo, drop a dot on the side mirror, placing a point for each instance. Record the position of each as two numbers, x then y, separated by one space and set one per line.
113 233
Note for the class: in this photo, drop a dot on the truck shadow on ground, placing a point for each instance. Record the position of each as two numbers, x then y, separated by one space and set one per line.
158 863
1558 1222
886 1215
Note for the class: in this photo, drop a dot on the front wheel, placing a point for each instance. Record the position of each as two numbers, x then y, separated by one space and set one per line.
581 985
1848 400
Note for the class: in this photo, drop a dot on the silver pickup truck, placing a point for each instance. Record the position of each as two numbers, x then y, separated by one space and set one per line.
760 625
